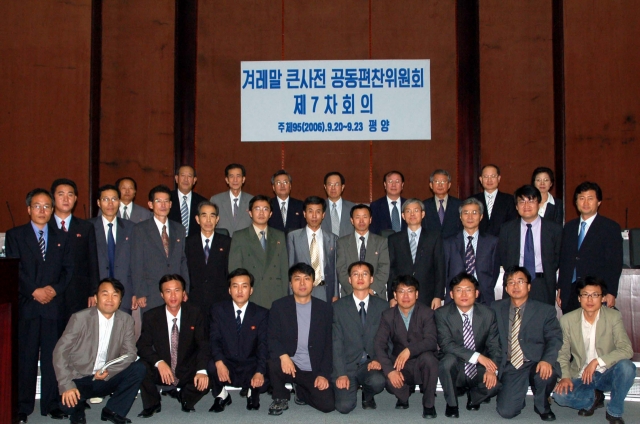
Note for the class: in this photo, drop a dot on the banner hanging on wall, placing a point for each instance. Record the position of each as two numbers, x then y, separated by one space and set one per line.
335 100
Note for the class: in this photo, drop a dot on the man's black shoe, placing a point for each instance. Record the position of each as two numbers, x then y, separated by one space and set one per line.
219 404
487 400
471 406
429 412
174 393
369 404
22 418
79 420
187 408
57 414
109 415
253 401
598 402
614 420
546 416
243 392
148 413
402 405
451 412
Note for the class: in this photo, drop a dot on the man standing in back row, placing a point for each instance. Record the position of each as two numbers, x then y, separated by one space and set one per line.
385 212
498 207
338 219
234 203
185 201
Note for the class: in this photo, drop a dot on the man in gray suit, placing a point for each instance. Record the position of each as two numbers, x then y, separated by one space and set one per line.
93 337
365 246
233 204
128 210
114 237
317 248
337 220
355 324
262 251
158 249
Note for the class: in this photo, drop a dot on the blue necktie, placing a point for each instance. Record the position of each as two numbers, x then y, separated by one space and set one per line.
581 235
469 343
111 250
529 253
395 217
238 321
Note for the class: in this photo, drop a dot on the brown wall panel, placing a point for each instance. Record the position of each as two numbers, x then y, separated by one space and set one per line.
516 88
44 106
137 93
602 108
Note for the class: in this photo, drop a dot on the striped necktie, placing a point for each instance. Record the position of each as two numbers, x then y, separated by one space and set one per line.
470 257
469 343
184 211
517 357
335 220
41 244
175 336
413 245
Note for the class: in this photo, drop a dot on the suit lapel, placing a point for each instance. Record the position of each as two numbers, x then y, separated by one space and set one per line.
272 245
476 325
94 333
456 322
32 241
420 253
154 234
304 246
577 333
173 237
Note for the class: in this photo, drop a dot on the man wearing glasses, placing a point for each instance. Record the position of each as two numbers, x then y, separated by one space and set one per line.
337 219
286 211
595 338
441 210
498 206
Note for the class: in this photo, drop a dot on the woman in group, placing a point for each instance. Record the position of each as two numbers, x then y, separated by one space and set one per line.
550 208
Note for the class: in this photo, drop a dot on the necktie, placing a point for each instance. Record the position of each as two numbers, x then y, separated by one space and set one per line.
184 211
64 228
165 240
111 250
581 235
441 211
283 210
175 333
335 220
490 204
238 321
41 244
470 257
125 215
529 261
517 358
469 343
363 249
363 314
235 208
315 259
395 217
206 251
263 240
413 245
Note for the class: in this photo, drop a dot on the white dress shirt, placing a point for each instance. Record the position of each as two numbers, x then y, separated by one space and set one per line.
365 300
536 230
181 199
160 225
589 221
205 238
358 242
114 228
543 207
242 310
104 335
589 339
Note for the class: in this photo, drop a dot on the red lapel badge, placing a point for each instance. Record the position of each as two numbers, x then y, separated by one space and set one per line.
253 327
78 235
58 244
376 253
222 249
193 328
177 240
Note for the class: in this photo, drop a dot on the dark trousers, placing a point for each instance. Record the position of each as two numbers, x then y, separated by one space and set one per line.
322 400
123 388
189 394
421 370
372 383
37 338
515 382
452 378
572 303
240 375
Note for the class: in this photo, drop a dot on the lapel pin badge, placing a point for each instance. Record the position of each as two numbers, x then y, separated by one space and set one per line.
78 235
253 327
193 328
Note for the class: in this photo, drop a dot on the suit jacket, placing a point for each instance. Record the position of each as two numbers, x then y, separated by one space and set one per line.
612 342
247 349
540 334
295 218
122 262
487 263
208 280
193 344
428 268
377 254
298 248
75 353
555 212
283 333
420 338
136 213
504 210
350 338
149 261
380 216
176 215
35 272
225 211
483 325
345 218
270 268
600 255
451 225
550 239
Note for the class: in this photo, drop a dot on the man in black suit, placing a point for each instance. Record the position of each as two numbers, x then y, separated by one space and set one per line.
238 338
286 211
473 252
46 266
355 323
533 243
410 329
385 212
207 259
530 338
418 252
300 347
441 210
468 338
591 245
185 201
498 206
173 346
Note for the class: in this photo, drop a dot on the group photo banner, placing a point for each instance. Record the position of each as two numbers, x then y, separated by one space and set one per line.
324 100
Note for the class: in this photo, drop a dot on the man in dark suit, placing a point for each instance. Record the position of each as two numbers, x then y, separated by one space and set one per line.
418 252
355 323
338 219
468 338
286 212
46 267
473 252
441 210
534 243
127 209
233 204
185 201
238 338
300 348
316 247
158 249
207 259
114 238
530 338
410 328
174 348
262 251
385 212
498 206
591 245
82 239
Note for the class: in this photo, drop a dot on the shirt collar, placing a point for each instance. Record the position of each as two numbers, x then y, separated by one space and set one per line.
170 316
204 238
469 313
338 204
37 230
365 300
105 221
474 235
236 307
589 221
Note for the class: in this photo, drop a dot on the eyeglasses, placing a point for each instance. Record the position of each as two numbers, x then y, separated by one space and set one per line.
334 185
527 201
161 201
474 212
363 274
38 207
586 296
517 283
282 183
109 199
542 180
440 182
394 182
408 211
407 291
460 290
261 208
489 177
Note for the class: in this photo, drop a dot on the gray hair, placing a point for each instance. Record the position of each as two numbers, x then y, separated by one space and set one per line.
439 172
412 201
472 201
207 203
